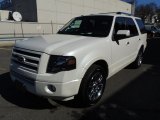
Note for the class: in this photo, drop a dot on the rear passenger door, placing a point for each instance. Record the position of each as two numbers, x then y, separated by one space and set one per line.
133 39
143 33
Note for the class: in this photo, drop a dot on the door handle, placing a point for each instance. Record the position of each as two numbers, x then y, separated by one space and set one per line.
127 43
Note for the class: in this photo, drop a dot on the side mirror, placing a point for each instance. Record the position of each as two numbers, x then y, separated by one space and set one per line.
123 33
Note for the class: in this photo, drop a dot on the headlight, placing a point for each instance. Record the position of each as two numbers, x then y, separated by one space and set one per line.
61 63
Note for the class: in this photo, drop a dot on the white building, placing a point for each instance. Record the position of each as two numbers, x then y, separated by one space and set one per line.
47 16
61 11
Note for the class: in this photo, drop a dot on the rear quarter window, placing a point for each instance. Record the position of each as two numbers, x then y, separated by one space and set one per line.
141 26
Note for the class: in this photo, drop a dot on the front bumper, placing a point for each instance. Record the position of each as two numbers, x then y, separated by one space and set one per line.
31 83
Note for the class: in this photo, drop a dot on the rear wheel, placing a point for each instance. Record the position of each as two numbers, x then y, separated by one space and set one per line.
138 62
92 86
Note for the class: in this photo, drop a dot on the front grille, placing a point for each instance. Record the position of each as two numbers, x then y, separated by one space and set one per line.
26 59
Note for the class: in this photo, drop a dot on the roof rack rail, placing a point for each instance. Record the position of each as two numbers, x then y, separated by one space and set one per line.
120 13
124 13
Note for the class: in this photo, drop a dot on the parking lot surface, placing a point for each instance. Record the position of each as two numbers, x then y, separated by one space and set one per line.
131 94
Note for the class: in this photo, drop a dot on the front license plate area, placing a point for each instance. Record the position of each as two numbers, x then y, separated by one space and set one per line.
20 86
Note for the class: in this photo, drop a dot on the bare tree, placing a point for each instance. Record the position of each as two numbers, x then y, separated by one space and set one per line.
146 11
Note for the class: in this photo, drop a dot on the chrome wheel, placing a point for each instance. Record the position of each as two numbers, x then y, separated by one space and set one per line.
92 86
96 86
138 62
140 58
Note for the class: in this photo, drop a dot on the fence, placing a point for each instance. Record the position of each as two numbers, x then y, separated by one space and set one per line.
27 29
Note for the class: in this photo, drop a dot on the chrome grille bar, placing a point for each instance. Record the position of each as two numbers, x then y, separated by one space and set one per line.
26 59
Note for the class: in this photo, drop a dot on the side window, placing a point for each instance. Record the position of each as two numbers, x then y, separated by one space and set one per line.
141 26
130 25
119 25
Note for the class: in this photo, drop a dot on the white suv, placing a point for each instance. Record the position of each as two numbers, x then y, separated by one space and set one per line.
76 61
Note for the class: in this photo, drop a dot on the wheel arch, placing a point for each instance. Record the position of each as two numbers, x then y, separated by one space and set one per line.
101 62
142 48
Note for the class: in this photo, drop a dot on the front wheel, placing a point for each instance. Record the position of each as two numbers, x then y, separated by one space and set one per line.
92 86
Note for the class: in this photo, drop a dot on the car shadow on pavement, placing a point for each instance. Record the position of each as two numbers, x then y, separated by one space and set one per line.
140 99
20 98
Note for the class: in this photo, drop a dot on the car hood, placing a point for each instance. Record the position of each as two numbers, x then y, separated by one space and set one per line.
57 43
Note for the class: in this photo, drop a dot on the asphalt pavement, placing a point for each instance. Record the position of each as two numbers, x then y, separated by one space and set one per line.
131 94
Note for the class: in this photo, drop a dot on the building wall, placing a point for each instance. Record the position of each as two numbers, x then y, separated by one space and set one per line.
25 29
61 11
4 15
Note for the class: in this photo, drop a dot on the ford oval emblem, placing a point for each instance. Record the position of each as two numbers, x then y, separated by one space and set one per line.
21 59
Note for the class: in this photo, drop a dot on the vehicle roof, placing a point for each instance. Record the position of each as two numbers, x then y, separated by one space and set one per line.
117 14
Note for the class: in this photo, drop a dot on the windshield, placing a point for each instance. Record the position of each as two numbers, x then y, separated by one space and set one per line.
95 26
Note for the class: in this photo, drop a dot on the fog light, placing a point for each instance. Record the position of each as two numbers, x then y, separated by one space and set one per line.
52 88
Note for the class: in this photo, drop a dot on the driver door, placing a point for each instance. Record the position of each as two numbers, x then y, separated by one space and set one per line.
120 46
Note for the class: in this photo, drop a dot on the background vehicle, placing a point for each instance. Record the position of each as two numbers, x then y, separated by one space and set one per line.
152 31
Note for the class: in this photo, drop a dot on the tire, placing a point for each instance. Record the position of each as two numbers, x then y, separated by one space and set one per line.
138 62
92 86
